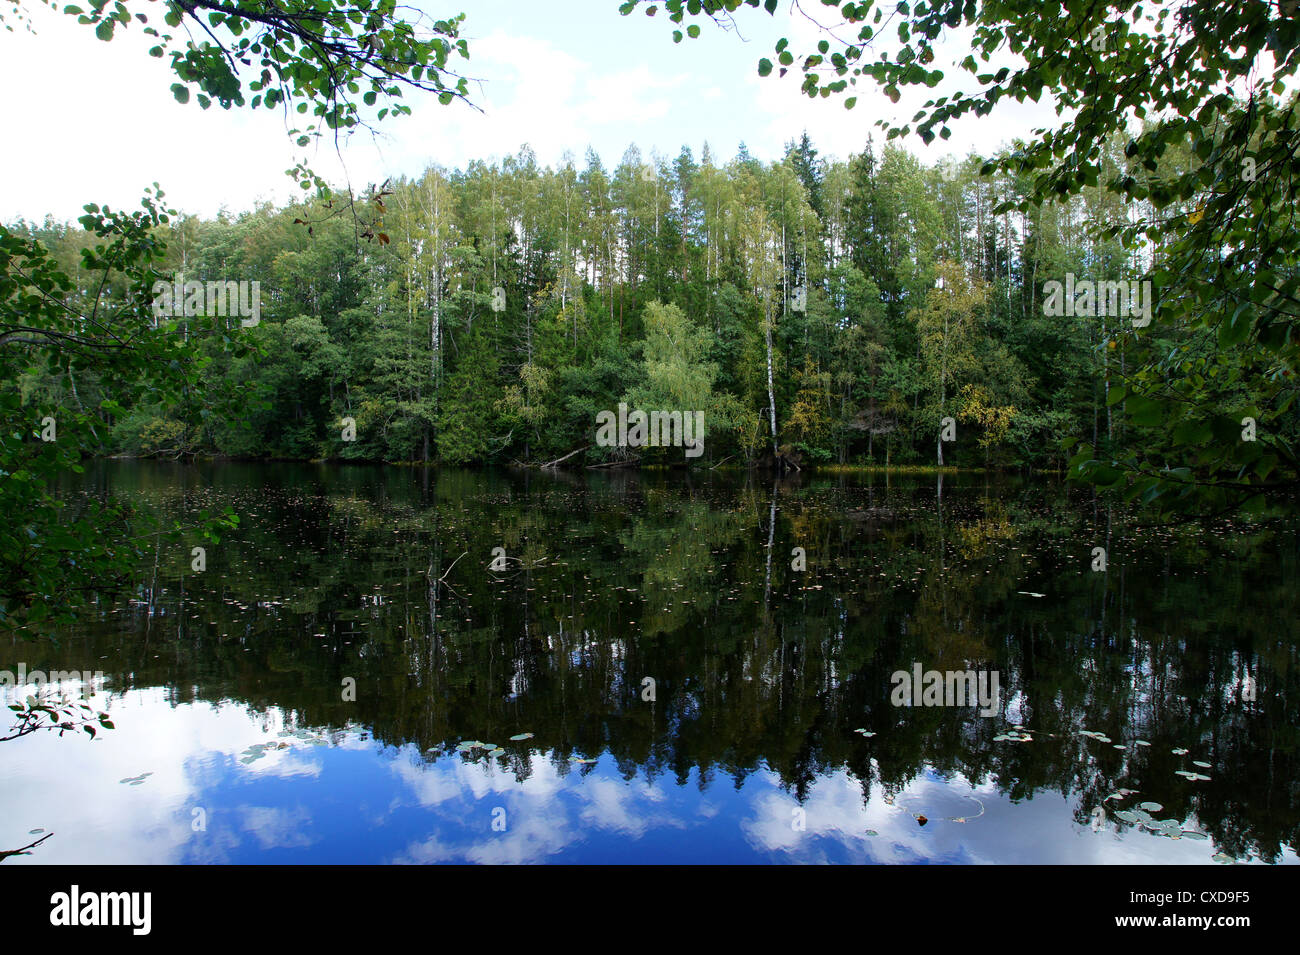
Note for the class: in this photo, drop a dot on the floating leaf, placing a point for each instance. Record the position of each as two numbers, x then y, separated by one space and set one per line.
520 736
1197 762
1150 806
1179 752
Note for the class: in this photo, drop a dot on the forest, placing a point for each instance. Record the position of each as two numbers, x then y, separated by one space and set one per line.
816 310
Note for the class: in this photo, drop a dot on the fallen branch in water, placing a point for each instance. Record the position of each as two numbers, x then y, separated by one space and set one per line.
551 464
615 464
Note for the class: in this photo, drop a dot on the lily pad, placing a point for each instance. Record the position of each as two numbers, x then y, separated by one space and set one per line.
1150 806
1197 762
1193 834
520 736
1179 751
1126 815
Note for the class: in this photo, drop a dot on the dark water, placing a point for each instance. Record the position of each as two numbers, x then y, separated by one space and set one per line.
763 676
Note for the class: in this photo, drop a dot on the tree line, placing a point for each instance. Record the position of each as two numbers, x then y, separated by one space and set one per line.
818 311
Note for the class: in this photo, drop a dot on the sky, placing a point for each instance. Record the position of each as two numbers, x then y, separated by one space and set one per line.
97 121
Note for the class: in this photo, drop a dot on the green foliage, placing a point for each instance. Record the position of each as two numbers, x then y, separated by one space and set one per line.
905 301
94 369
1204 191
58 548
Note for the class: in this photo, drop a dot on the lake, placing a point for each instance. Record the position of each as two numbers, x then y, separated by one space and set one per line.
404 665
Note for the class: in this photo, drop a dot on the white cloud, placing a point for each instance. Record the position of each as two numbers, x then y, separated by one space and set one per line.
107 129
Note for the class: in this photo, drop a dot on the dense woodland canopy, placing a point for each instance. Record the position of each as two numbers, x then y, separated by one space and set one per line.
884 294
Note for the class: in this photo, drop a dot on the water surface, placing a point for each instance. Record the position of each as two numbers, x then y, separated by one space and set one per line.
771 736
